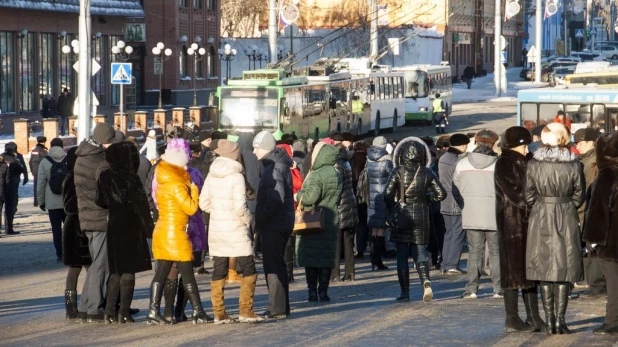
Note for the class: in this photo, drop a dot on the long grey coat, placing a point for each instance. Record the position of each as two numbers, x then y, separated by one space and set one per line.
555 188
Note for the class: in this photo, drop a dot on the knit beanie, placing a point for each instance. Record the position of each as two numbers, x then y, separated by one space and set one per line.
380 141
104 134
228 149
299 146
176 157
264 140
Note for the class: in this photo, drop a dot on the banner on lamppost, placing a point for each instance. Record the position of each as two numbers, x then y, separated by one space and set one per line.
550 9
511 9
158 66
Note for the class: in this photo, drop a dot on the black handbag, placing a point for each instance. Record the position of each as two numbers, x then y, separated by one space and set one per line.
397 219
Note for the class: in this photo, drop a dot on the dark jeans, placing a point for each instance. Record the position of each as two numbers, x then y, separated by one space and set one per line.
469 82
454 239
56 218
246 265
98 273
11 198
289 254
610 270
62 125
345 237
476 245
594 275
275 269
404 250
362 229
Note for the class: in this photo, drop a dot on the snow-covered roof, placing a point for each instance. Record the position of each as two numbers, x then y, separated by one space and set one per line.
120 8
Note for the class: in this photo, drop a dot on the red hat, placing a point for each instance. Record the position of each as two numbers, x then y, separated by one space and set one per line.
287 148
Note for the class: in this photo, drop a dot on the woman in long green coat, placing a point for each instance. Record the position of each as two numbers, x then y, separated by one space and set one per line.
315 251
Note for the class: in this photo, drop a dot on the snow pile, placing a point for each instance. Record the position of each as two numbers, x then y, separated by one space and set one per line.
483 88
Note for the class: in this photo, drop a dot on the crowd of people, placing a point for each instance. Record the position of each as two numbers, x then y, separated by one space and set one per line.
523 202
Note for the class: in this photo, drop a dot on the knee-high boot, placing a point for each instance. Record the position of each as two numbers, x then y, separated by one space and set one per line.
423 274
324 281
513 322
531 302
217 297
181 303
191 291
113 287
547 296
154 315
404 283
377 245
245 301
561 291
127 286
169 294
70 302
311 274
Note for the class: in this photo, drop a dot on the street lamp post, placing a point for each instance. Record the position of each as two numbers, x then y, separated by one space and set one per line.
227 53
254 54
197 52
280 52
122 52
157 50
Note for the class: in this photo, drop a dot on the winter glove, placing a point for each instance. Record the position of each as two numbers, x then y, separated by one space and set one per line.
42 207
25 180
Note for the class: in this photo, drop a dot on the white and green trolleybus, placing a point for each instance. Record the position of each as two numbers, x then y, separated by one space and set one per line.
311 103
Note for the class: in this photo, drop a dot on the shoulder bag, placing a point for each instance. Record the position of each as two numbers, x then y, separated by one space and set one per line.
308 221
397 219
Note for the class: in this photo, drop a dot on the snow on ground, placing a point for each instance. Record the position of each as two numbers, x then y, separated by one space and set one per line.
483 88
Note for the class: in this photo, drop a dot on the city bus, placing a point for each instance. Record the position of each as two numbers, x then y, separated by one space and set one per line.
606 78
586 107
423 82
313 102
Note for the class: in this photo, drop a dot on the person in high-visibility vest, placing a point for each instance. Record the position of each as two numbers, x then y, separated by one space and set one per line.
357 105
439 114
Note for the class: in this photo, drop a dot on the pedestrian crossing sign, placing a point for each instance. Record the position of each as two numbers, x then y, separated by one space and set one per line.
579 33
121 73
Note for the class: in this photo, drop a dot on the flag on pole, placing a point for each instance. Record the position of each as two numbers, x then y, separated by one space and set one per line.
550 9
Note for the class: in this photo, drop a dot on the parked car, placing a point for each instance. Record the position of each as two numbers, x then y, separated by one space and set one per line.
610 52
548 69
561 72
589 56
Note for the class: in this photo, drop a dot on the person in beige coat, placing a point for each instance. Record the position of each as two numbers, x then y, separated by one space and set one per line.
223 196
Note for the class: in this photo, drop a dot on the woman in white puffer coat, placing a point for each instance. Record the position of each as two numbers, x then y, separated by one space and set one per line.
223 196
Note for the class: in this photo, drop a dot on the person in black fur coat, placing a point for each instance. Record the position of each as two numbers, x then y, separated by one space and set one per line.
512 222
121 192
75 253
601 226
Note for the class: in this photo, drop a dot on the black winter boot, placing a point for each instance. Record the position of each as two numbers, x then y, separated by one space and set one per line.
513 323
311 274
70 303
113 288
531 302
423 274
154 315
169 294
199 316
547 296
404 283
377 245
127 287
181 303
561 292
323 280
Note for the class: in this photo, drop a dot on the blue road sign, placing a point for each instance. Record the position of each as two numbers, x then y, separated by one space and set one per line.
503 59
593 31
579 33
121 73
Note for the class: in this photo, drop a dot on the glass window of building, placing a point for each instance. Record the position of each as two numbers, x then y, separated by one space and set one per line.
99 80
47 44
7 72
197 4
182 62
183 3
211 62
211 4
26 72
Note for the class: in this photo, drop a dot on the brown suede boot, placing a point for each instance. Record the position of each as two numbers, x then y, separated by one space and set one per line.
232 276
247 289
218 306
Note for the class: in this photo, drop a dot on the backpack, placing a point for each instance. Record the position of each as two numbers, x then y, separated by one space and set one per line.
57 173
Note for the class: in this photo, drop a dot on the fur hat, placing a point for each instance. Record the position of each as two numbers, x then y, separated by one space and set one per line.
607 149
443 141
219 135
586 134
458 140
264 140
104 133
337 137
515 137
57 142
348 136
380 141
41 139
486 137
228 149
555 134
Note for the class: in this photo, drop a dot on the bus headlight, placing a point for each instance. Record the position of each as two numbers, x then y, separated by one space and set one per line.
422 109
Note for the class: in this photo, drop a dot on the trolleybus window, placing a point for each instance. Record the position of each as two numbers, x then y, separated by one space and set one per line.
249 107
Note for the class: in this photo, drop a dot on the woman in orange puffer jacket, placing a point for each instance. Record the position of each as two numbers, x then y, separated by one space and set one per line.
178 199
